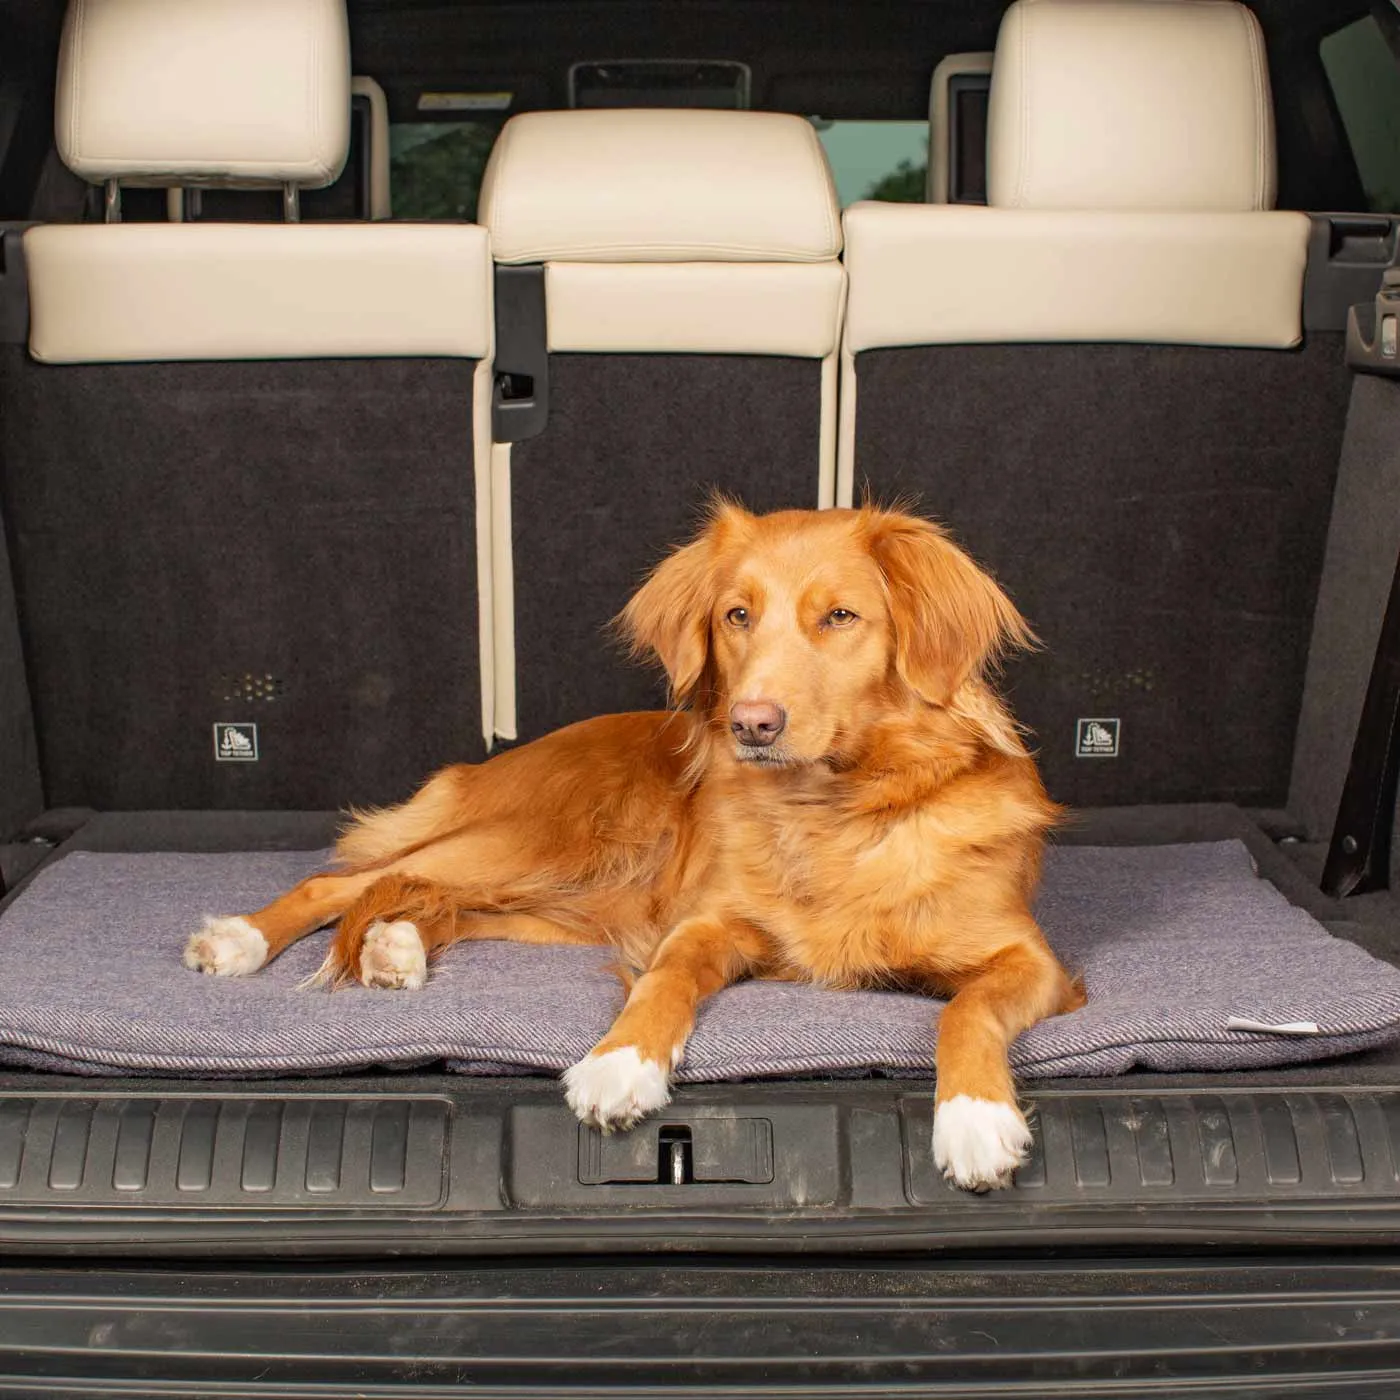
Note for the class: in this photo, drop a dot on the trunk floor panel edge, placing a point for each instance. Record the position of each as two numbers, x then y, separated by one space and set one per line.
492 1168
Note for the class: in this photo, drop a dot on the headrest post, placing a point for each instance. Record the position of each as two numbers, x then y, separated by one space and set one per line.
111 202
175 204
291 204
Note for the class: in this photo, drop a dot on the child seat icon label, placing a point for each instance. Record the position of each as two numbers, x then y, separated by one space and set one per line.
236 743
1097 738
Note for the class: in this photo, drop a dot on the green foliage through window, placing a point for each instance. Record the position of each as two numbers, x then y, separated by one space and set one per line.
903 185
436 167
876 159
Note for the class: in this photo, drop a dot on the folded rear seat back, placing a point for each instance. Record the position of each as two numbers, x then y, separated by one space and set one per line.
238 460
1102 382
693 299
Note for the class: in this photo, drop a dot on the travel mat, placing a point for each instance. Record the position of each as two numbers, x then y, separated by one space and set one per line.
1191 961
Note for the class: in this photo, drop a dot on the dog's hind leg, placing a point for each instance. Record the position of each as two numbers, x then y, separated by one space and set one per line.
236 945
493 870
397 926
383 937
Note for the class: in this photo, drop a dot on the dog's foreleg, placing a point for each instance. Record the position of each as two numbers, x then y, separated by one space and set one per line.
980 1135
628 1073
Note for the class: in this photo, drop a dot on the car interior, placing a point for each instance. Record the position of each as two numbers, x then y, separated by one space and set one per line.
357 360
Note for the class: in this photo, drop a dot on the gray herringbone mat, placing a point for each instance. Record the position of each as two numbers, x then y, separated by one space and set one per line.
1173 941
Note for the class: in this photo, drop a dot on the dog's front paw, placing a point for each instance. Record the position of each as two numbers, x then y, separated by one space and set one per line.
393 956
979 1143
226 947
615 1088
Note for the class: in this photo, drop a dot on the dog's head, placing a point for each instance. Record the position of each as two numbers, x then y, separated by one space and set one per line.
799 629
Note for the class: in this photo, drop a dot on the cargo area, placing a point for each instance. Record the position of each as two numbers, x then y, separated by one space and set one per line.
313 482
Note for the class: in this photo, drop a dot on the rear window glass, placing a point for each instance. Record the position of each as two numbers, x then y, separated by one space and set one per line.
436 167
1365 81
876 159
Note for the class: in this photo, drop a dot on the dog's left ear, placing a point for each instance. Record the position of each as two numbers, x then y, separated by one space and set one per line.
951 621
669 615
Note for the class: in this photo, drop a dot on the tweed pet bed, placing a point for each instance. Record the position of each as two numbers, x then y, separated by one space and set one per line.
1189 957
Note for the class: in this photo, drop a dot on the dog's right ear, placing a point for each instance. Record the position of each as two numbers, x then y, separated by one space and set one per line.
669 615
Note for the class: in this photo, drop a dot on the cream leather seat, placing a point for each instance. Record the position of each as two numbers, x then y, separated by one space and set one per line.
693 298
256 453
1116 345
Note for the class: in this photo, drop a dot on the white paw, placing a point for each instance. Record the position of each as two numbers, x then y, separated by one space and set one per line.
616 1088
393 956
226 947
979 1143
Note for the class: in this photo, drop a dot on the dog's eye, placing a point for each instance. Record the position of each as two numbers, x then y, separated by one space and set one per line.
840 617
737 617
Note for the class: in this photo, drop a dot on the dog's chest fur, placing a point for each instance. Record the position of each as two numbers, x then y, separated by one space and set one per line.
847 897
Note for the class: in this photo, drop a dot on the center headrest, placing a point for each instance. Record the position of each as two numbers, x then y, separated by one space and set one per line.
1130 104
660 186
218 92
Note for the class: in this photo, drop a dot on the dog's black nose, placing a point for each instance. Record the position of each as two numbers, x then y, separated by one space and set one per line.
757 723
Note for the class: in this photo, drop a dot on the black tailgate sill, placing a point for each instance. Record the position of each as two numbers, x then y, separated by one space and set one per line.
449 1166
1289 1328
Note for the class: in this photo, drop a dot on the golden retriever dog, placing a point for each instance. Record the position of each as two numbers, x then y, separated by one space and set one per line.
839 797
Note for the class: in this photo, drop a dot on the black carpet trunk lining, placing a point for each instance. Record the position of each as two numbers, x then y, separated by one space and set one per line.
1159 513
635 447
244 584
